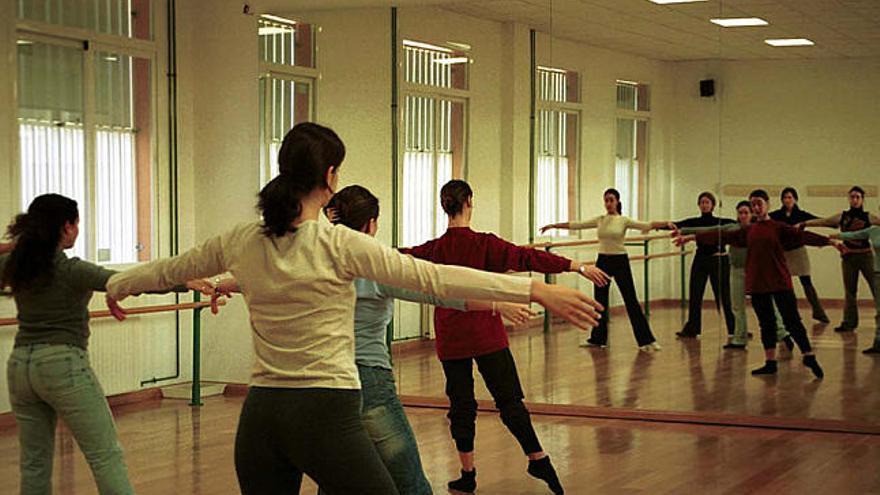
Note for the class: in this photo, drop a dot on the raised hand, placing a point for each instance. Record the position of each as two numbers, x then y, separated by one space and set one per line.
576 307
594 274
517 314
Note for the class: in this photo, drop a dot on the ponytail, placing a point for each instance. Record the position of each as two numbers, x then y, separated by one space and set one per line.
37 236
308 151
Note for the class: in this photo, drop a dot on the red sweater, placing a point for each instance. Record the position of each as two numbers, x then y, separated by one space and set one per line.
767 241
466 334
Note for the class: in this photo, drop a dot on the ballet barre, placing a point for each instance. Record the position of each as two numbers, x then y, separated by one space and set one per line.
197 306
638 241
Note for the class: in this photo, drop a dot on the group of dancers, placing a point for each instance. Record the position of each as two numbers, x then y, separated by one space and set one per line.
322 399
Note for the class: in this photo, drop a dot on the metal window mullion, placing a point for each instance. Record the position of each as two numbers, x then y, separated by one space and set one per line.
90 156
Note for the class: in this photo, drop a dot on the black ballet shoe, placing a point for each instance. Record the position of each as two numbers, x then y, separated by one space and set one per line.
686 334
769 368
543 470
466 484
810 362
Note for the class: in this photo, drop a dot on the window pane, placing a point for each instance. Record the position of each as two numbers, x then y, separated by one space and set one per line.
50 122
123 158
284 103
556 172
558 85
437 66
630 174
286 42
128 18
633 96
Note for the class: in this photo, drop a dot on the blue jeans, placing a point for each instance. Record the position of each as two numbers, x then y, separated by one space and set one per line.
386 424
45 382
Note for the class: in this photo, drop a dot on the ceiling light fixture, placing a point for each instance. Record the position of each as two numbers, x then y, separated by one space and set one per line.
789 42
667 2
739 22
425 46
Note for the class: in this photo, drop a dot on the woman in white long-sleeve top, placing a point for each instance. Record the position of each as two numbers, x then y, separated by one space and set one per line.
302 412
611 230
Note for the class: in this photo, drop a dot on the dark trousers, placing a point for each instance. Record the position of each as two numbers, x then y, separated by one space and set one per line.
283 433
499 372
852 264
715 269
787 305
617 267
812 297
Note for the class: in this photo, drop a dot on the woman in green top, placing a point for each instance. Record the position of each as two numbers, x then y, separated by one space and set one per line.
48 371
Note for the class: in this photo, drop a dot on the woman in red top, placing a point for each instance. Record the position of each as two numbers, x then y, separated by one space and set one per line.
768 279
467 336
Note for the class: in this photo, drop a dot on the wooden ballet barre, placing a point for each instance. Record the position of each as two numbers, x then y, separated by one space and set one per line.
143 310
591 242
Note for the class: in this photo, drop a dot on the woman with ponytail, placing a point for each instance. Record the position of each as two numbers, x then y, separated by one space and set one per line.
48 372
302 411
611 229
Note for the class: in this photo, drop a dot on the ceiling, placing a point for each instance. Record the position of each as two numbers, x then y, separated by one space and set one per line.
840 28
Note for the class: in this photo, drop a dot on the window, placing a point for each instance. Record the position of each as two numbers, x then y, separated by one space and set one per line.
434 119
287 86
97 150
631 152
557 153
127 18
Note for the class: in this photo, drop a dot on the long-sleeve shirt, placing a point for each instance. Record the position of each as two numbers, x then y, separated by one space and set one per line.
737 255
57 312
849 221
766 269
793 217
611 231
468 334
300 293
373 312
708 246
871 234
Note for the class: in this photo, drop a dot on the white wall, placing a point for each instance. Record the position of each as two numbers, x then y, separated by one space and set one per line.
800 123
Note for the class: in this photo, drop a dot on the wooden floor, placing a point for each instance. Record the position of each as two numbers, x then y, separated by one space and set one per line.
174 449
687 375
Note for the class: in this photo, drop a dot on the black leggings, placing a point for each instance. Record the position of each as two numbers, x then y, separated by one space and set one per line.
715 270
617 267
787 305
285 432
499 373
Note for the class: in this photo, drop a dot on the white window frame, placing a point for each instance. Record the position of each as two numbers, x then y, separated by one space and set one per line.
91 43
559 107
639 116
270 71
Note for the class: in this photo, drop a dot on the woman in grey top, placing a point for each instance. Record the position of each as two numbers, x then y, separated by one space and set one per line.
48 372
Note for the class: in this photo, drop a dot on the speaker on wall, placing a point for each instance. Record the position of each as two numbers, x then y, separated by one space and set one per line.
707 88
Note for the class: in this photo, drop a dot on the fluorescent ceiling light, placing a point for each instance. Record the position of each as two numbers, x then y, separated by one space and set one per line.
666 2
739 22
277 19
552 69
426 46
270 30
452 60
789 42
461 46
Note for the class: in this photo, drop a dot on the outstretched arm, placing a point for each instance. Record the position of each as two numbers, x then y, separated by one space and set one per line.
832 221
